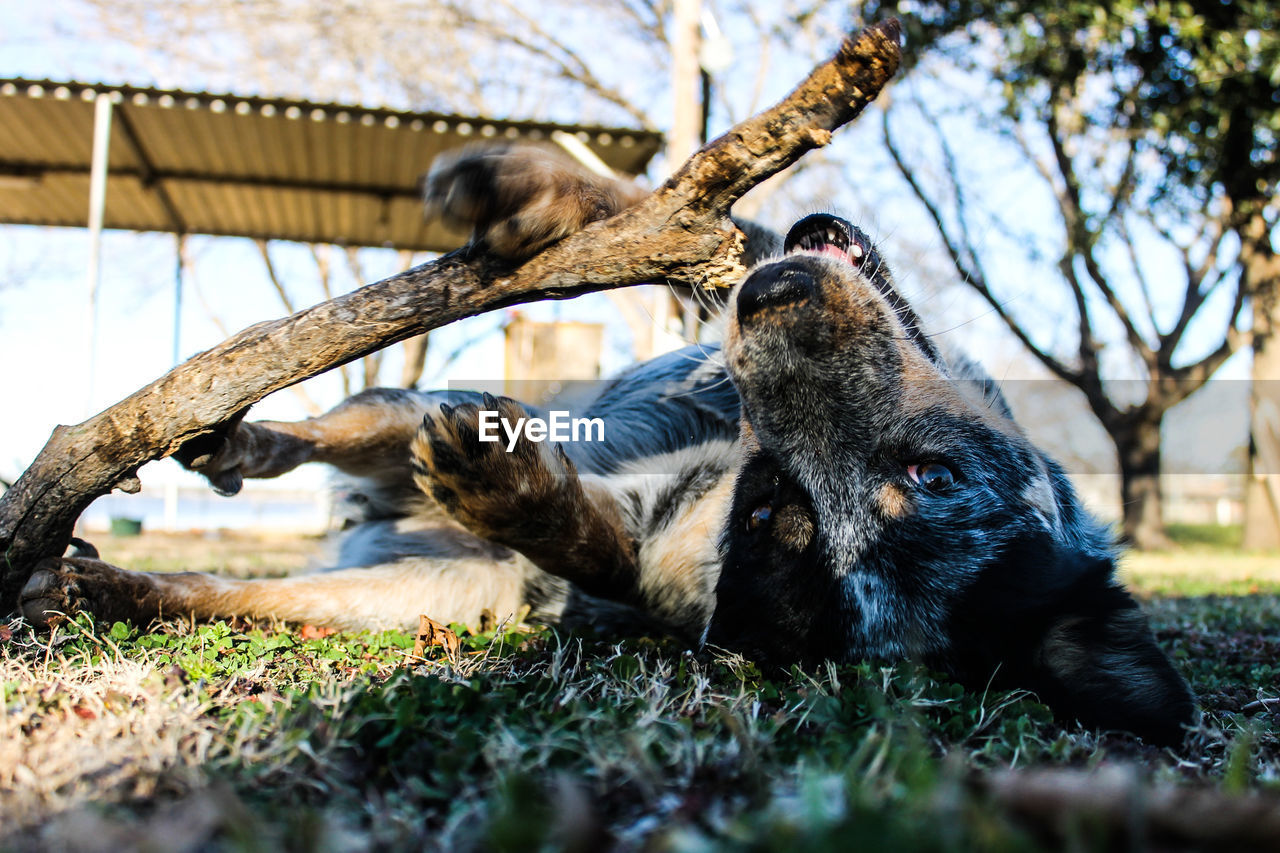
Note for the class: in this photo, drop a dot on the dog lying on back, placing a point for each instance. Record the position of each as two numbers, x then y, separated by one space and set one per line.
826 485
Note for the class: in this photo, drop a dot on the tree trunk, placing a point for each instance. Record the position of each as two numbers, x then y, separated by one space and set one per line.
415 360
1262 486
1138 445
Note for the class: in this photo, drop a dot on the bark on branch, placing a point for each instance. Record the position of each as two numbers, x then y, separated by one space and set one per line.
1114 809
682 232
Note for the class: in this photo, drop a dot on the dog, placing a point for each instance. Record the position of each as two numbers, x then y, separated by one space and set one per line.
827 484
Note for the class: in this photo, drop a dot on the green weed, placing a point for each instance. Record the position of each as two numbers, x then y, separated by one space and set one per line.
532 739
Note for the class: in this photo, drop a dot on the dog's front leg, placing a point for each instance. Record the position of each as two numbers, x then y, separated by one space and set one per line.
527 495
367 436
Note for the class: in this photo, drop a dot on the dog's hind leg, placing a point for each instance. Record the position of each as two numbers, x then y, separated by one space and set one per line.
519 199
392 595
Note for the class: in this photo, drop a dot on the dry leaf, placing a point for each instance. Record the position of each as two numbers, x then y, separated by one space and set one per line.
311 632
432 633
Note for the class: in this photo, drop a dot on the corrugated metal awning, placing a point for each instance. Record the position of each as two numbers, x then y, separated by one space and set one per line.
201 163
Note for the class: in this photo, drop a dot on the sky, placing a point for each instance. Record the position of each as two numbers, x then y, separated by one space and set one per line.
43 287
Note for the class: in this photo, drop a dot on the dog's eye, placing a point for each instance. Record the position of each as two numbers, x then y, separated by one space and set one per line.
759 517
933 476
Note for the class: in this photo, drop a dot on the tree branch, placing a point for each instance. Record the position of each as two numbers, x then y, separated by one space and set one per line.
682 232
1184 381
309 404
1082 240
1140 275
373 362
971 275
1086 345
1196 293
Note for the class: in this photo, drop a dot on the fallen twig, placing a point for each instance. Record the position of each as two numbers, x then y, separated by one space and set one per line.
1113 802
1262 704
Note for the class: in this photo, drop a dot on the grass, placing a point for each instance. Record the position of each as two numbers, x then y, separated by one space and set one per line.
1207 561
264 737
1227 537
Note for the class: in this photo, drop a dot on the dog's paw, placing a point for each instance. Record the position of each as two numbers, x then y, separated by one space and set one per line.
464 458
218 455
63 586
519 199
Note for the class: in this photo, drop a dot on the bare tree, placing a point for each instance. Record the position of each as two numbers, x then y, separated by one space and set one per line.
1132 140
1157 118
1097 214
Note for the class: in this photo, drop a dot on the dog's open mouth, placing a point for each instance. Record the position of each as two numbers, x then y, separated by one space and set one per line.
824 234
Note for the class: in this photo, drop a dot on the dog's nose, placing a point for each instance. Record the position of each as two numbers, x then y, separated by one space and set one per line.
775 286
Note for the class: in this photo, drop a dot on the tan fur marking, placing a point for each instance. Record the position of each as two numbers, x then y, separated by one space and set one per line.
366 437
681 565
360 437
494 487
392 595
853 309
793 527
747 438
535 195
894 502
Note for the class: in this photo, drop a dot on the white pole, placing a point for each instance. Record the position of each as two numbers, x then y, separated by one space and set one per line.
97 205
178 273
686 41
171 486
580 152
686 114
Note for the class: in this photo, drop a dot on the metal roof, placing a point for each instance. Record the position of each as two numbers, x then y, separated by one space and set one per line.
195 162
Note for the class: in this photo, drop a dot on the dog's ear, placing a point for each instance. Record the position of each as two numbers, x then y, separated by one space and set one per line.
1052 618
1097 661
